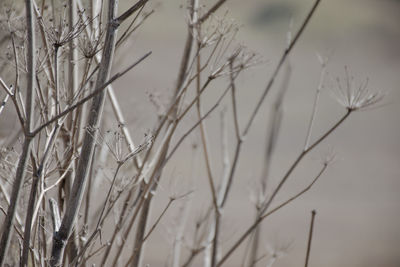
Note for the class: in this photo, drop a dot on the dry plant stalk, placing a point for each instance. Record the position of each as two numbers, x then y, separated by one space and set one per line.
64 55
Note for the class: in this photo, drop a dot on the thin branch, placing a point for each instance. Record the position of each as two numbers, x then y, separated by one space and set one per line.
61 236
171 200
44 191
315 105
3 103
212 10
19 110
301 156
113 99
278 67
191 129
23 161
310 235
130 11
33 193
264 216
95 92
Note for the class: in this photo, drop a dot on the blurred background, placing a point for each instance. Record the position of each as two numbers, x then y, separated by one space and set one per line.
357 199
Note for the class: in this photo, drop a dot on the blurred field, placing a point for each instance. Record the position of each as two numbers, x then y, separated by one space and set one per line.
357 200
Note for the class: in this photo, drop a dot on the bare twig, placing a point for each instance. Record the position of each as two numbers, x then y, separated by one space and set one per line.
315 104
264 216
32 197
310 234
278 67
98 90
130 11
301 156
21 169
61 236
212 10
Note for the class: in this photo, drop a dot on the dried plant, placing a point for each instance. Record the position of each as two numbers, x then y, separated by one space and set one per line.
78 212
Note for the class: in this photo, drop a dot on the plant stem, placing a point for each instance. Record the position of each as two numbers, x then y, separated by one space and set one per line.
310 235
279 66
61 236
23 160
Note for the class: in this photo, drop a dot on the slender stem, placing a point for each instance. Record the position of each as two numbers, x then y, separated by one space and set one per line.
158 219
97 91
130 11
273 127
264 216
212 10
56 86
217 229
279 66
61 236
301 156
191 129
315 105
23 161
203 134
186 52
32 197
101 217
111 94
310 235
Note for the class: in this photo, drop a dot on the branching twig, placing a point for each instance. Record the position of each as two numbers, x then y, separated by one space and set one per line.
61 236
264 216
23 161
98 90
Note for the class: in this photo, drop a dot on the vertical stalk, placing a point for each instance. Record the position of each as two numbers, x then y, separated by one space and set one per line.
310 235
61 236
28 125
32 197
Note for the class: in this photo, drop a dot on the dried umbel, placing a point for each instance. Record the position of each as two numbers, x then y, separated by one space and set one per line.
355 97
61 34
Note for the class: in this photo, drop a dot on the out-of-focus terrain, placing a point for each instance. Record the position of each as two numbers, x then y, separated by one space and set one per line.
357 199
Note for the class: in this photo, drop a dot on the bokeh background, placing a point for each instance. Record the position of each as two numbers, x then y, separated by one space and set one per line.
357 200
